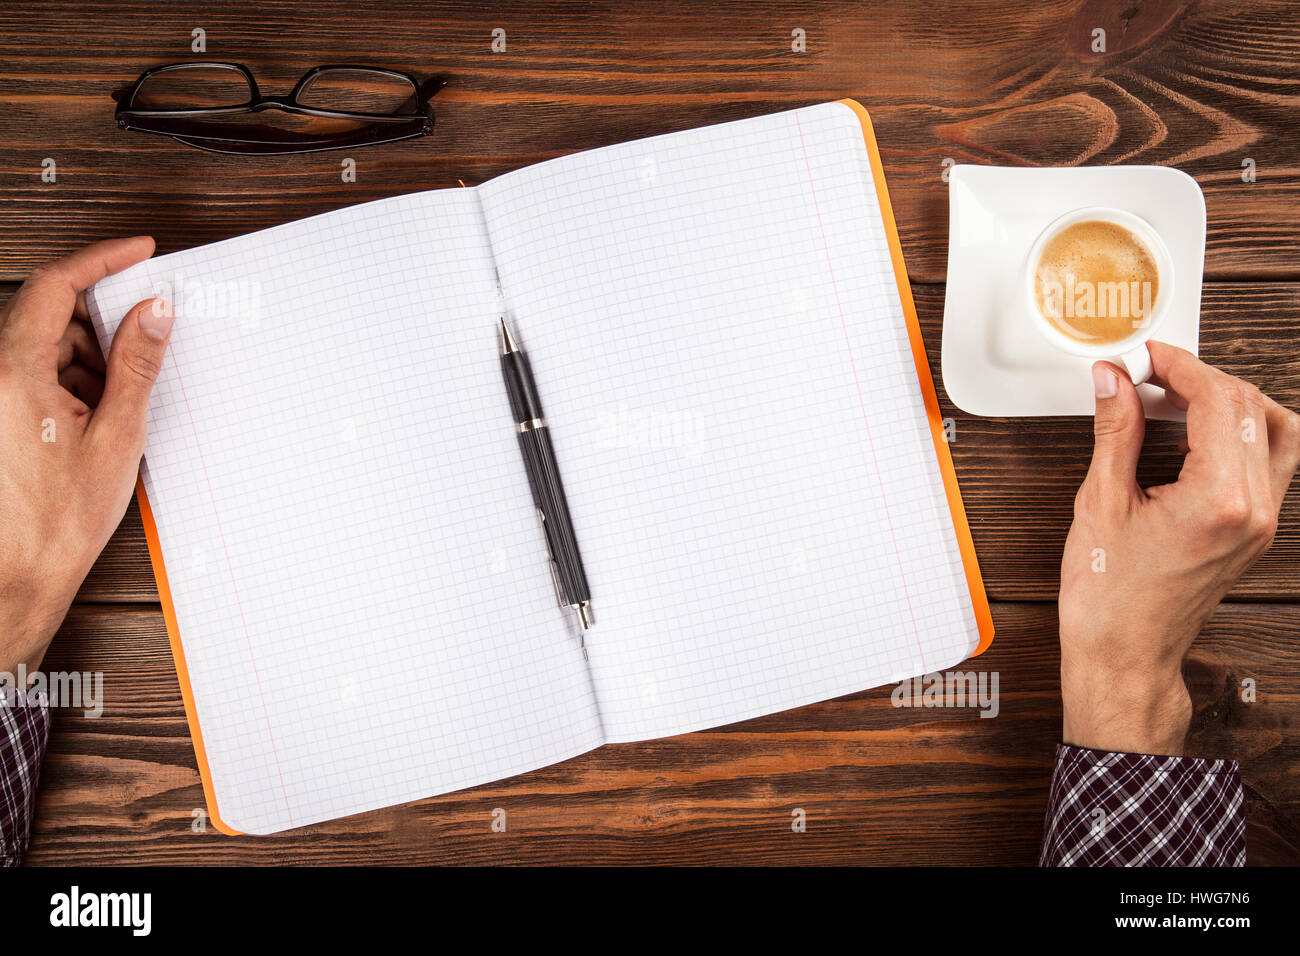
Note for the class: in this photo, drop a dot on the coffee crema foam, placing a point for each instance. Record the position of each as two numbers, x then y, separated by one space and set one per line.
1096 282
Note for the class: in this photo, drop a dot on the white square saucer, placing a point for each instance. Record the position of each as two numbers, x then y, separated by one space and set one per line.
995 363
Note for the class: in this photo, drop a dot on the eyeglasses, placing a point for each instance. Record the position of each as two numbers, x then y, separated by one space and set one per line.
218 107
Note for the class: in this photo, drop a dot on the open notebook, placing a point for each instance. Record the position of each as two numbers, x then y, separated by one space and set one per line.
720 325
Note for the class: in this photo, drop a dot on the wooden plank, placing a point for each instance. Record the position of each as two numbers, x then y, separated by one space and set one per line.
1018 476
1203 87
878 784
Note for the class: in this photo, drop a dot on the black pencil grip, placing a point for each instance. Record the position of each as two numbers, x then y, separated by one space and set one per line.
548 496
524 403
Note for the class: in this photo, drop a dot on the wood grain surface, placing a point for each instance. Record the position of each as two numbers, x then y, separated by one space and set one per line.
1211 88
1200 86
879 784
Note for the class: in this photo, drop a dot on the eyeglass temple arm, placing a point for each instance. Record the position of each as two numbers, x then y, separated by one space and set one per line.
430 87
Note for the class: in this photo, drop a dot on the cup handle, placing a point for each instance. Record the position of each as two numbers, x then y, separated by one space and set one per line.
1138 364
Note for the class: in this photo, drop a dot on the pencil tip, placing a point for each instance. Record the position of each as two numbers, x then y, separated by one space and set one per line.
507 340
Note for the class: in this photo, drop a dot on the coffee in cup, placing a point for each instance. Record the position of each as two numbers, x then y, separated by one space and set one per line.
1097 283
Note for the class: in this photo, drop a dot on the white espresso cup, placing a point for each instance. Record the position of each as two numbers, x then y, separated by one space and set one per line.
1131 352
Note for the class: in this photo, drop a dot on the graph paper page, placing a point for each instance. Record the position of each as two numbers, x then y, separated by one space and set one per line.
358 579
717 335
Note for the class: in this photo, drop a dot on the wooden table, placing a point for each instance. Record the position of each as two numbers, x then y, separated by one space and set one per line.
1205 87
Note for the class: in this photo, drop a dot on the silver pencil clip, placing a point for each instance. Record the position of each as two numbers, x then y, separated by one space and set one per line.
584 612
550 560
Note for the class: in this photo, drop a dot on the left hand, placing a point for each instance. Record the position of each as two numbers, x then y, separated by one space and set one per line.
72 431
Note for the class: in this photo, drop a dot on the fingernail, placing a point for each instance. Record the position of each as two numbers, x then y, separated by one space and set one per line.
156 321
1104 382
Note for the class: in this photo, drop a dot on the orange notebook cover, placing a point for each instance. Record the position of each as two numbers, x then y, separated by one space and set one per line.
970 564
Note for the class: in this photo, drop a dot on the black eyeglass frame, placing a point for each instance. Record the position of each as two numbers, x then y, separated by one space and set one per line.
188 126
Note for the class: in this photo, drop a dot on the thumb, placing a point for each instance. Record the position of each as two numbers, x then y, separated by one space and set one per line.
134 361
1119 426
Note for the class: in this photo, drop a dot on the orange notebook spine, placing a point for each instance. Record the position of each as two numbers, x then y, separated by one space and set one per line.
178 653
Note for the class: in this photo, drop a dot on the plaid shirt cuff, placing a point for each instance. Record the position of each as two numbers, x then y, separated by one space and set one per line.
1113 809
24 731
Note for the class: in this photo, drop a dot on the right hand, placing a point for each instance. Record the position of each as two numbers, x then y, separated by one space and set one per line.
1143 570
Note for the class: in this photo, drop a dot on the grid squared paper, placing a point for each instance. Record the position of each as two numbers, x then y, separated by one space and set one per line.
356 574
716 330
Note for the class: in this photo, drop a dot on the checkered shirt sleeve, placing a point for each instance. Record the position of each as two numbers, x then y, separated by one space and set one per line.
1116 809
24 731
